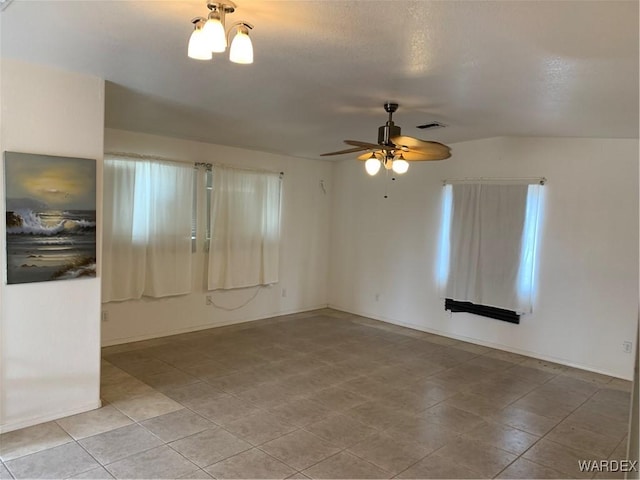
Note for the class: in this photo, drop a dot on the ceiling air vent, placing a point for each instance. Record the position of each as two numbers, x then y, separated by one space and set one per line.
431 126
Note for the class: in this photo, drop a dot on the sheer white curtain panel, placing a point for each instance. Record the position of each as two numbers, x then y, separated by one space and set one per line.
245 226
148 208
487 236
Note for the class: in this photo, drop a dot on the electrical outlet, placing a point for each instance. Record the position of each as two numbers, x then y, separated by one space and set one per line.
105 316
627 347
208 300
284 292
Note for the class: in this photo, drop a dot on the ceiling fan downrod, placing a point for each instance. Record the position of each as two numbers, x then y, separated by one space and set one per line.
388 130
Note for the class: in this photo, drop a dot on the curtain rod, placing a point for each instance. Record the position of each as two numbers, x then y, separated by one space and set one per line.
525 180
208 166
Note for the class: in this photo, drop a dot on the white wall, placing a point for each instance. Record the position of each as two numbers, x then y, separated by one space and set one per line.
49 332
587 300
303 255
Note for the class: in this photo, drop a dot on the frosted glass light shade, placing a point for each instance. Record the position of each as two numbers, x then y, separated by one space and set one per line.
372 166
216 39
400 166
241 50
198 49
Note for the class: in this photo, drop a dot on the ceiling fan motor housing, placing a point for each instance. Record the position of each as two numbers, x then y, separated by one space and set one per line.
387 132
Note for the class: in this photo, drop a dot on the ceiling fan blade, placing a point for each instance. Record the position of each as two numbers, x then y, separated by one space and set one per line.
366 145
423 156
434 150
367 156
349 150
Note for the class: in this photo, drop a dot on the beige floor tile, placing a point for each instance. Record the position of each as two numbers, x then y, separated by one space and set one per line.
31 440
503 437
344 378
438 467
58 462
587 376
189 394
544 406
301 412
572 384
196 475
147 405
377 415
112 446
476 456
618 411
340 430
620 384
597 423
159 462
98 473
422 431
345 465
300 449
168 379
569 435
94 422
175 425
507 356
524 420
336 398
531 372
526 469
265 396
475 404
392 454
253 463
543 365
210 446
558 457
408 401
455 419
223 410
4 473
259 427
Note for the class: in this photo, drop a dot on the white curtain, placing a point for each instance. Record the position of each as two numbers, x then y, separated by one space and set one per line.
148 207
490 250
245 229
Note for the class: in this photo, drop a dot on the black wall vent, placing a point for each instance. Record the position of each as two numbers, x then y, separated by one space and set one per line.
491 312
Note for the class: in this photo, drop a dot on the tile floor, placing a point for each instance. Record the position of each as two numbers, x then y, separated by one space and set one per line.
327 395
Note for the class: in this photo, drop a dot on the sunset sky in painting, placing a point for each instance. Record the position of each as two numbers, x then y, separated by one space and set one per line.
59 182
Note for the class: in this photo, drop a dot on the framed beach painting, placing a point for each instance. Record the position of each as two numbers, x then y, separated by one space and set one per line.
51 217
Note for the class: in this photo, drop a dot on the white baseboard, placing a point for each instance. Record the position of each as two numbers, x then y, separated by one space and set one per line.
28 422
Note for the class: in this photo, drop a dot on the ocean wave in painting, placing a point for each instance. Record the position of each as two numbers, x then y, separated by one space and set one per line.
32 223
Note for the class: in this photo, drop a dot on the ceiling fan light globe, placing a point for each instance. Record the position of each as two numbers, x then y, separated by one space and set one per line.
214 35
372 166
400 166
241 50
198 49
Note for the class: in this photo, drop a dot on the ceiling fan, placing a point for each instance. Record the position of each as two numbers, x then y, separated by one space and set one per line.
393 150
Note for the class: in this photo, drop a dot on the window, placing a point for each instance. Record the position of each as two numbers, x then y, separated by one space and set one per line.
245 226
488 248
147 228
155 212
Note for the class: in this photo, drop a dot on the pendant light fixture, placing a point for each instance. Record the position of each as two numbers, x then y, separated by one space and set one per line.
211 36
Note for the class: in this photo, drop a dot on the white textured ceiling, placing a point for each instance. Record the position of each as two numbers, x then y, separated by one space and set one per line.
323 69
